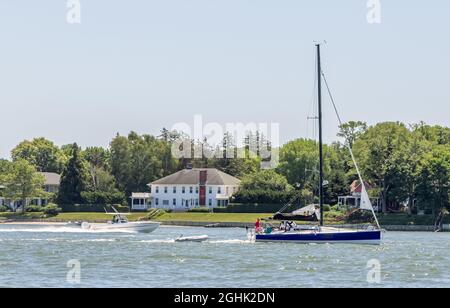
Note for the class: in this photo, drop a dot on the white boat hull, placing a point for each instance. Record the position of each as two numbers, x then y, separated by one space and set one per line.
141 227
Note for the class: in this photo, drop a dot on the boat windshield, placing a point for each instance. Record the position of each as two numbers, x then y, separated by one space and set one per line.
119 219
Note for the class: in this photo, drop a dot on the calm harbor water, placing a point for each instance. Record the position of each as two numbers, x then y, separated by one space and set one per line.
37 256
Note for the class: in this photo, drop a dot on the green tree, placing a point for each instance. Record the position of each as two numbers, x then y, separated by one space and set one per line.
100 179
137 160
265 186
73 179
120 160
437 135
299 163
351 131
336 172
40 152
265 180
434 175
97 157
383 157
23 183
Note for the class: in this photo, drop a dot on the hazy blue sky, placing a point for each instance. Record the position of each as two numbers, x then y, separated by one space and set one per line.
141 65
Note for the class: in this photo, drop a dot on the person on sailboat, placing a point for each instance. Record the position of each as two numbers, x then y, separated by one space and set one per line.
288 226
258 225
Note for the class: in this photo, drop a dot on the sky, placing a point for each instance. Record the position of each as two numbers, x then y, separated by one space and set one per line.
146 64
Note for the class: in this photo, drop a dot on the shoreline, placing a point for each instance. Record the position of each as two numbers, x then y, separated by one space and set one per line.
202 224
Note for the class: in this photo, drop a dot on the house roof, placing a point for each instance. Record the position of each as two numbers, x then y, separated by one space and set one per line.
51 178
192 177
355 187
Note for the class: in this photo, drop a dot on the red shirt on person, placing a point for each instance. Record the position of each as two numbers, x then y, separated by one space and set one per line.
257 224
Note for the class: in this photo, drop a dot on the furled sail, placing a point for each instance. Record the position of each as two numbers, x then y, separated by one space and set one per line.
308 211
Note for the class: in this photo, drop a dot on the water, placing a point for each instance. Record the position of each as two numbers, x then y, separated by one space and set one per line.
37 256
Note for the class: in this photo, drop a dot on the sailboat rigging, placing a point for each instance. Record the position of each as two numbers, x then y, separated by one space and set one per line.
322 234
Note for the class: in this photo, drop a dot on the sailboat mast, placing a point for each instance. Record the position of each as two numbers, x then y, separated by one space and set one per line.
319 98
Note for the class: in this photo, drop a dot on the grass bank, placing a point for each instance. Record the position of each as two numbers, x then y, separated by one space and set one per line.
194 217
79 216
330 218
212 217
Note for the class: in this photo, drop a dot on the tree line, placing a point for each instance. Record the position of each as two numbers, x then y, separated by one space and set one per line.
405 165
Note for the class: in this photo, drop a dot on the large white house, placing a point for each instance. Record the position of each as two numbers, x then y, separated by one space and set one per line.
188 188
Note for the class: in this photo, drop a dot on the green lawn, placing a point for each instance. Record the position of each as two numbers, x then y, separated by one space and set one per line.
19 216
212 217
94 216
196 217
68 216
330 217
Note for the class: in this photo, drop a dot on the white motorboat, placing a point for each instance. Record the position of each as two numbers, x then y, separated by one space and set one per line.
200 238
121 223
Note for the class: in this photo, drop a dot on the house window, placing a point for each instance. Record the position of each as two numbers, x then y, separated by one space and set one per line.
165 202
210 202
165 189
183 189
196 190
156 201
210 189
219 190
157 189
174 189
196 202
191 189
174 202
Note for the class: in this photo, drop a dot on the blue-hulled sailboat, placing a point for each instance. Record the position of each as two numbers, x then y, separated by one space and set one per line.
322 234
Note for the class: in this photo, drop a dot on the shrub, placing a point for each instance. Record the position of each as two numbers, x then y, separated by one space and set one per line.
326 208
4 208
359 216
93 208
100 197
264 196
200 210
253 208
34 209
428 211
51 210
